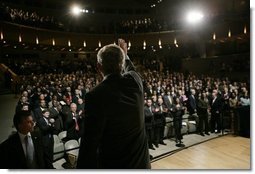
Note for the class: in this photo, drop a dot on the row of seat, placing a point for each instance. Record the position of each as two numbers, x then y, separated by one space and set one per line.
60 147
189 125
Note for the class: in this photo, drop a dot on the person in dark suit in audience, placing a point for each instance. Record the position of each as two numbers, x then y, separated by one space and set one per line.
192 107
46 126
216 109
178 111
202 111
55 112
76 96
81 113
23 101
168 101
149 122
160 114
38 111
192 102
23 149
72 123
114 129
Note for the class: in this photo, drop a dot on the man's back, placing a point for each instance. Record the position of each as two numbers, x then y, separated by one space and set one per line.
117 107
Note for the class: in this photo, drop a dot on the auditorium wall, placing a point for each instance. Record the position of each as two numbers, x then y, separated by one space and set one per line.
236 66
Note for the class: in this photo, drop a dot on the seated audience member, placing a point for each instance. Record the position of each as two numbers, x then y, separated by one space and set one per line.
23 150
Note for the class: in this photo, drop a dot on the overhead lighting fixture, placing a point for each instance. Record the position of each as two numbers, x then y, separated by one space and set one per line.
129 45
2 35
76 10
53 42
214 36
159 43
229 33
84 44
69 43
194 17
244 30
20 38
153 5
144 45
36 40
99 44
175 41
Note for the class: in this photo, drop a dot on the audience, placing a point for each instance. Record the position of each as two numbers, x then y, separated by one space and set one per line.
61 95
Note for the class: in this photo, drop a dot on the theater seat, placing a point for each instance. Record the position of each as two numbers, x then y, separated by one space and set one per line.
184 129
72 154
58 147
56 139
62 135
169 129
192 126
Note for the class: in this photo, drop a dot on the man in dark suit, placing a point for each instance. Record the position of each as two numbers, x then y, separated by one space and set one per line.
46 126
168 101
114 129
55 112
38 111
192 102
149 122
216 110
160 114
73 123
23 149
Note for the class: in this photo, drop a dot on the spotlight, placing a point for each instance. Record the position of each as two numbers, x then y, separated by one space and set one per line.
194 17
76 10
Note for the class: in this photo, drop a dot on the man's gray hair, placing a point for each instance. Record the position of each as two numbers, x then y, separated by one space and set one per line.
111 57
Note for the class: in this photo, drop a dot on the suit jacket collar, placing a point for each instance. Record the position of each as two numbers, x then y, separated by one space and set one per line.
112 76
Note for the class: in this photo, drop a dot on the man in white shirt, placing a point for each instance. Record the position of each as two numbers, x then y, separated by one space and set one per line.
23 149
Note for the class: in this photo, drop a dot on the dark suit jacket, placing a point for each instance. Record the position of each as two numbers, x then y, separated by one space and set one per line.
58 125
160 116
72 133
114 129
149 117
46 131
37 113
12 154
47 141
167 102
192 105
216 106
